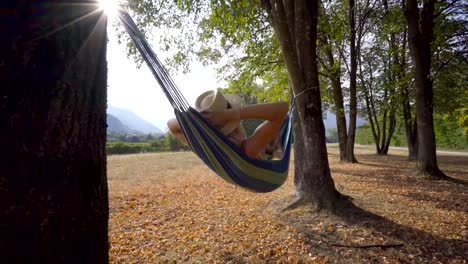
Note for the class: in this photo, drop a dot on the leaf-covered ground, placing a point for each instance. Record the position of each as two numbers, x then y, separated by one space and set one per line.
169 208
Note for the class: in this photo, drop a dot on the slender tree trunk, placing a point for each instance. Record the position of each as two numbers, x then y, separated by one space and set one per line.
295 23
371 123
369 107
394 77
420 35
391 130
410 125
384 122
352 86
338 100
53 80
340 116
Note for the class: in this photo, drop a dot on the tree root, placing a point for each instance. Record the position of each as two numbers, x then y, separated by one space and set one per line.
337 202
295 204
434 174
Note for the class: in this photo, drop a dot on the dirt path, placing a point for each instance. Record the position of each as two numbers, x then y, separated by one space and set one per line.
439 152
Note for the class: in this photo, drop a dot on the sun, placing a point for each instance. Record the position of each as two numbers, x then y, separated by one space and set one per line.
110 7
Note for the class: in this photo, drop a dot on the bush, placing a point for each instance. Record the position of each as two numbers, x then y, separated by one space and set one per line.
126 148
166 143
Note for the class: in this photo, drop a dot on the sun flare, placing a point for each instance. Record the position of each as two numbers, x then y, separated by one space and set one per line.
110 7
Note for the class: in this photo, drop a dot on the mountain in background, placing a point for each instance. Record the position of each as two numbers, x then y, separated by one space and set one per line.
125 121
116 126
330 120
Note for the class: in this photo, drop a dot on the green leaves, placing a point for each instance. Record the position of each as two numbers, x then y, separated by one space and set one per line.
235 36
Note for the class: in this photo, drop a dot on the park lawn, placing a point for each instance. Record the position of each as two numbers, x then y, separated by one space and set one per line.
170 208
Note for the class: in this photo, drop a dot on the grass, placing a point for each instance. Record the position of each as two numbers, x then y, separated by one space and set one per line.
169 208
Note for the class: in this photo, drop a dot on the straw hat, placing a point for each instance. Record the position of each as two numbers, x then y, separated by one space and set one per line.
216 101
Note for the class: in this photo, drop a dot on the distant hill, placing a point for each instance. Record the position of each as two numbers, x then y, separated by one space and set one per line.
330 120
116 126
125 121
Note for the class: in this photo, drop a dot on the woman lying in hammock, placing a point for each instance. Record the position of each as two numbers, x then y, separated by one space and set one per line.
225 113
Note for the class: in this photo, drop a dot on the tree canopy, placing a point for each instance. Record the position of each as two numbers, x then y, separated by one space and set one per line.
364 58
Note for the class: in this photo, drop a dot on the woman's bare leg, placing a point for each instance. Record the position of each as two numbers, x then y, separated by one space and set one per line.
274 114
176 130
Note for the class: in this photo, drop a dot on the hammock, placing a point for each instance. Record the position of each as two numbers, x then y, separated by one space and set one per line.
218 152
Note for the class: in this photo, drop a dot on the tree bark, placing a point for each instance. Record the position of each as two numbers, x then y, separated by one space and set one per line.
420 36
53 80
340 115
352 86
370 109
410 125
334 74
394 77
295 23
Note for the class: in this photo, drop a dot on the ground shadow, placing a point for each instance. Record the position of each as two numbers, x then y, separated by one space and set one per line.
448 195
354 235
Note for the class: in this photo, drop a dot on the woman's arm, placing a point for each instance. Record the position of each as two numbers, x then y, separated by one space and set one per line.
273 114
268 111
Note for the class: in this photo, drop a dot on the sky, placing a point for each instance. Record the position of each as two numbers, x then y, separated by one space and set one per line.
135 89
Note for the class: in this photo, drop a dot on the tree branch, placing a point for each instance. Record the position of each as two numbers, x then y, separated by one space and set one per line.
448 61
446 8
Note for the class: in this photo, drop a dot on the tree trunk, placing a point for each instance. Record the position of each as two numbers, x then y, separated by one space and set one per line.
298 150
53 80
420 35
410 125
340 115
394 77
352 86
373 123
335 75
295 23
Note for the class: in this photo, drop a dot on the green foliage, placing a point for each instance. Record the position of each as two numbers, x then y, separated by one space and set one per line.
174 144
127 148
236 36
364 135
332 135
165 143
449 133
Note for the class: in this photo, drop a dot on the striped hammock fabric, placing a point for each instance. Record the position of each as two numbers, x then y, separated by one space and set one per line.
219 153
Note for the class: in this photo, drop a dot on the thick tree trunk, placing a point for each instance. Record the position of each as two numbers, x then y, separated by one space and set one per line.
295 23
420 35
53 187
352 86
298 150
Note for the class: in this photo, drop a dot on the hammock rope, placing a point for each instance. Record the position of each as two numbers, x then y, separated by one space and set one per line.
165 81
219 153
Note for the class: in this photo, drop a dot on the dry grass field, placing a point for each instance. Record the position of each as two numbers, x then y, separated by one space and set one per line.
169 208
